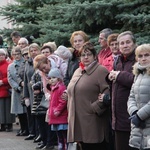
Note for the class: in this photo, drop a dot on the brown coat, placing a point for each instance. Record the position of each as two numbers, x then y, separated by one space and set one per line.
87 117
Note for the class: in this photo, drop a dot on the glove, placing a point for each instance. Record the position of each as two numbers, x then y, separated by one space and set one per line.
18 90
135 119
27 102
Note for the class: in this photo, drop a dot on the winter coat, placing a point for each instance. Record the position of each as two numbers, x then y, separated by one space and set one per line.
103 54
36 80
16 97
88 117
73 64
28 72
139 100
58 104
4 89
120 93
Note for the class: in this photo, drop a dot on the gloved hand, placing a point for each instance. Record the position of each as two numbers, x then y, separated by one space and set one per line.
135 119
27 102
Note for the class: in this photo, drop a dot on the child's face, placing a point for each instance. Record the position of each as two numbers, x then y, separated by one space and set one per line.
53 80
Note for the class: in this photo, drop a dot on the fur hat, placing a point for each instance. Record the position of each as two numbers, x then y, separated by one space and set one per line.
55 72
2 51
63 52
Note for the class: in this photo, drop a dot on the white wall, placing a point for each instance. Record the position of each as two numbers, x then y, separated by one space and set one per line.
3 23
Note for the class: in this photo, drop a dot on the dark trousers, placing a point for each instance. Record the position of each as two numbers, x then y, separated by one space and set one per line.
43 126
122 140
51 137
31 122
23 122
94 146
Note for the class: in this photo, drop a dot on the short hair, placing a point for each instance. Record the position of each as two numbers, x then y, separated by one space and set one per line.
142 48
106 31
83 34
88 46
47 46
16 49
24 40
38 60
112 38
15 34
127 33
34 45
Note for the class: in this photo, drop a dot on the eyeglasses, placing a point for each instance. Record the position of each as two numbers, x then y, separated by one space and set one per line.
86 55
145 55
17 54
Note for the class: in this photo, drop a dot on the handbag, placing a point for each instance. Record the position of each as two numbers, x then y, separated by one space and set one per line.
44 103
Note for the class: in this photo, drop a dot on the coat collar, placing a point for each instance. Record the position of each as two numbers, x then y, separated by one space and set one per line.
91 68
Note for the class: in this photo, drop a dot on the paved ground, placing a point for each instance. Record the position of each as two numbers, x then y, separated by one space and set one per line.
9 141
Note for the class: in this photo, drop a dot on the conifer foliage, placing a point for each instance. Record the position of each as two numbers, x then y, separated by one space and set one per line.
55 20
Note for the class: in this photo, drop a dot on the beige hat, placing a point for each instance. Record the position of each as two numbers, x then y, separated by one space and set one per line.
2 51
25 50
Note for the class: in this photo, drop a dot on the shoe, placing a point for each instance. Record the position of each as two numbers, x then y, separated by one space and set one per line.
30 137
48 147
24 133
19 133
38 139
40 146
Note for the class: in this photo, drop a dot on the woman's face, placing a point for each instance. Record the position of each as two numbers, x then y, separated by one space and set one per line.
2 57
126 45
143 58
46 52
87 58
114 47
34 52
78 41
16 56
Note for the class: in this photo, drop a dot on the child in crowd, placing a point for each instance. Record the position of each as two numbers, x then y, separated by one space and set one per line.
58 108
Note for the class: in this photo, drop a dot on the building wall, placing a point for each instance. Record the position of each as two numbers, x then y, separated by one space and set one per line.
3 23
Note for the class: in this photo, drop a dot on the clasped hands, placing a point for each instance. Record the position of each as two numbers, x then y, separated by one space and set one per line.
113 75
135 119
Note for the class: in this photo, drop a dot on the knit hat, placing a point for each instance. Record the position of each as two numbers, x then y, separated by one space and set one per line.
2 51
55 72
63 52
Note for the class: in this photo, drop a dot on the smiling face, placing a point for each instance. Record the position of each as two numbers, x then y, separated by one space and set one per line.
126 45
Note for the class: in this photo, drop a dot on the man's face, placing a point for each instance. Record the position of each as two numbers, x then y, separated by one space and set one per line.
15 39
45 67
102 40
126 45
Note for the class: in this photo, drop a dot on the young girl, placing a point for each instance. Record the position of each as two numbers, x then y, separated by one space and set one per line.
58 108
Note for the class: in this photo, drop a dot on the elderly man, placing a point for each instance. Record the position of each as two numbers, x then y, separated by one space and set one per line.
105 51
23 42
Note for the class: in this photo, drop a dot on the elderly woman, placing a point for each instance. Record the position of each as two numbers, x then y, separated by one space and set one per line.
6 119
17 87
110 61
122 79
139 100
87 115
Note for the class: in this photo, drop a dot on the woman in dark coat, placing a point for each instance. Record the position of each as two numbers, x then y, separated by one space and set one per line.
122 79
77 39
6 118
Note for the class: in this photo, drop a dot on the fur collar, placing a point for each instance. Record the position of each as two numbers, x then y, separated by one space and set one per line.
137 70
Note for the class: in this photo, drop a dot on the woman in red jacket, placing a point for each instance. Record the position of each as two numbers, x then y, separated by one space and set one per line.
6 119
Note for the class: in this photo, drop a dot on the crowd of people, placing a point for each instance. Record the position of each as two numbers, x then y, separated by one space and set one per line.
77 98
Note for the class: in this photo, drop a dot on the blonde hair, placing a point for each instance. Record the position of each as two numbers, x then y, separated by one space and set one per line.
38 60
142 48
83 34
